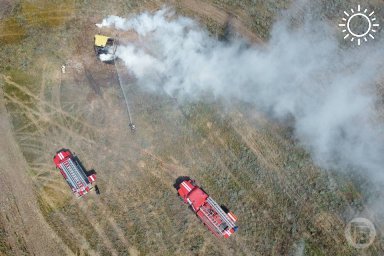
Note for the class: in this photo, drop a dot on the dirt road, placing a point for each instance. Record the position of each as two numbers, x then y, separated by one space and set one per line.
27 231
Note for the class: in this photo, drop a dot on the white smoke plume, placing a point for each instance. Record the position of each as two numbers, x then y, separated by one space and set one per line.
106 57
302 72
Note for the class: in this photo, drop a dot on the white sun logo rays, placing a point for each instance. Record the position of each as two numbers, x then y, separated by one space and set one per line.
364 15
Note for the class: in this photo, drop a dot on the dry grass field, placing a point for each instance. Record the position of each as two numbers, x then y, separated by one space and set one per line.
286 204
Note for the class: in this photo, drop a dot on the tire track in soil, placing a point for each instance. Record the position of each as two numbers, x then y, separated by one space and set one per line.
40 115
100 231
8 80
75 234
110 220
28 220
37 114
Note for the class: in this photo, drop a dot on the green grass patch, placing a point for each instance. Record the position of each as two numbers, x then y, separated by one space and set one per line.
11 31
18 102
5 248
311 249
261 13
46 13
57 200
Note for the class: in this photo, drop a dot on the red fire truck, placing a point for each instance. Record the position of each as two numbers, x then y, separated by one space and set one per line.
218 219
73 172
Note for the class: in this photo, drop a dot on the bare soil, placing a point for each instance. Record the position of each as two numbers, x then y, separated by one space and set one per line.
25 226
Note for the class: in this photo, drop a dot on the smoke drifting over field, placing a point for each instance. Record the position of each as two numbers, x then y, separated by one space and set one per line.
301 72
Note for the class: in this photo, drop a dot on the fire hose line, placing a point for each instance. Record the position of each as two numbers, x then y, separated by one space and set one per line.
131 124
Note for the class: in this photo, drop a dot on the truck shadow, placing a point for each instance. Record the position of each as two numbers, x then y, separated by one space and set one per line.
180 180
87 172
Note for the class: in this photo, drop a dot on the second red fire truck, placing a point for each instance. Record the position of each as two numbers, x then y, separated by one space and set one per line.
220 221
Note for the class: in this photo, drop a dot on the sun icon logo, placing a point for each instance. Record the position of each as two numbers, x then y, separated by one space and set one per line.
359 25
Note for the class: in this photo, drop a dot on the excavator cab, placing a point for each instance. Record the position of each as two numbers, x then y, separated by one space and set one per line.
105 48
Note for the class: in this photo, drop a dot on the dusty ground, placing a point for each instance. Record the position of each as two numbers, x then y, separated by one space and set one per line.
24 224
285 204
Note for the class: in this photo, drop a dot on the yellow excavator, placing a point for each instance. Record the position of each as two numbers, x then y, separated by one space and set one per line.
105 48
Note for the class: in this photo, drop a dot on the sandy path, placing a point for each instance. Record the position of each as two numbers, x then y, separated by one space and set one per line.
19 210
